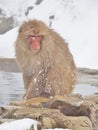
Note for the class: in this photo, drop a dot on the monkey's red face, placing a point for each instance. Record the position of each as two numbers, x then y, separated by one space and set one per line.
35 42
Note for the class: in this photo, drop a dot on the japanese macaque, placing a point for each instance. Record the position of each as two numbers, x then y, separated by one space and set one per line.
45 60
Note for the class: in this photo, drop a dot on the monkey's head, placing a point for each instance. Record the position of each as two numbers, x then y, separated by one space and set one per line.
33 33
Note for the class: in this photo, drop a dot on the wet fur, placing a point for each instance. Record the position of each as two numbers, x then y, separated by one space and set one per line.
50 71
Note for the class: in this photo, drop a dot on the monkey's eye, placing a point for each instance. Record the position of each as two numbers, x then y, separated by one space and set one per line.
37 36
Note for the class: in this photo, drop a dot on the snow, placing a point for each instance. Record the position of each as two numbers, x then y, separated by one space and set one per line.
56 129
11 5
22 124
75 20
7 44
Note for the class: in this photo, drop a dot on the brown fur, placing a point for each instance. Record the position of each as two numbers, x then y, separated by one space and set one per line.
50 71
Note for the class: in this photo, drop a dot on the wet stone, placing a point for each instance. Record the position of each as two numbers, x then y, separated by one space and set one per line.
70 111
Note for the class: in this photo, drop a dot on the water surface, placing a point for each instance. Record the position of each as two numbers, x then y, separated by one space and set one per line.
12 88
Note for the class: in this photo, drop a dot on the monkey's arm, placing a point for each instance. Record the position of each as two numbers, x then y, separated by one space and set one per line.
27 80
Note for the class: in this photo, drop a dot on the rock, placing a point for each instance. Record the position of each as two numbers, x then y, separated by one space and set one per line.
8 114
48 123
33 102
75 123
2 110
35 113
70 111
75 105
6 24
50 118
90 109
67 104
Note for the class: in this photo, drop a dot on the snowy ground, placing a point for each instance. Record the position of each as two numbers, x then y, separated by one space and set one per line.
22 124
76 21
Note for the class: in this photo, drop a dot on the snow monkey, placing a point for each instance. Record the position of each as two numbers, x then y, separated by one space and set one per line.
45 60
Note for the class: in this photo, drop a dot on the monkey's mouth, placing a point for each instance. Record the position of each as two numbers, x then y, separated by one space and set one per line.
35 42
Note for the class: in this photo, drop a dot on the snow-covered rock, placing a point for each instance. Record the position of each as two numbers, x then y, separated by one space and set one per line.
22 124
